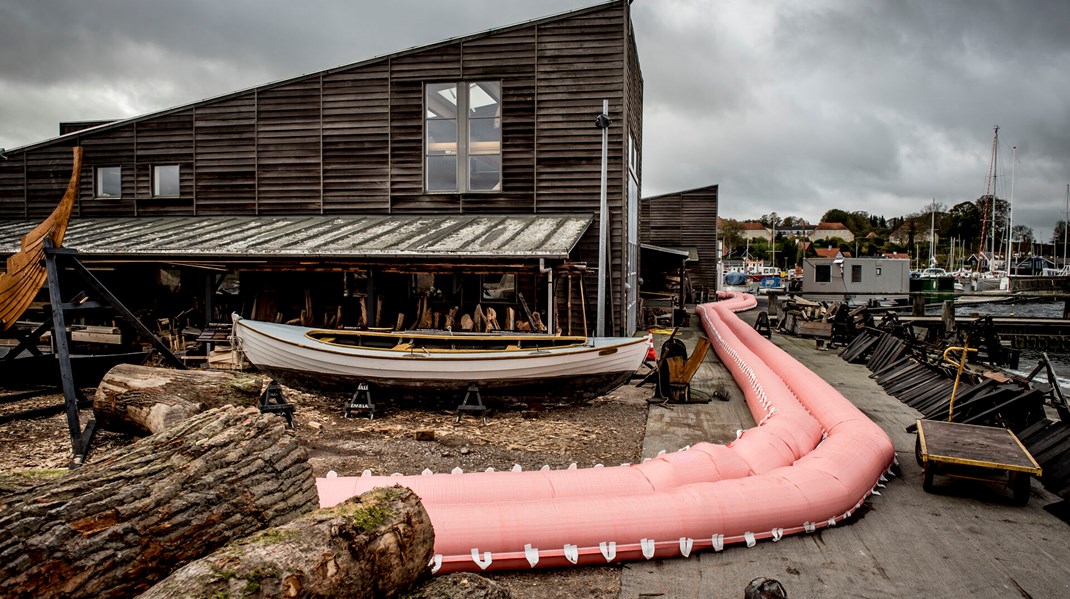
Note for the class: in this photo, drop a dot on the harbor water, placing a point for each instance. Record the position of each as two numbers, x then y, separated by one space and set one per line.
1031 309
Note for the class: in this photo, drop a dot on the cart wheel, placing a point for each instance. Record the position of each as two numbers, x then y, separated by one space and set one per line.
917 450
927 477
1020 487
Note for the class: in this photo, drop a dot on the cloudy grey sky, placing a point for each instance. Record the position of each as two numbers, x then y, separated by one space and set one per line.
796 107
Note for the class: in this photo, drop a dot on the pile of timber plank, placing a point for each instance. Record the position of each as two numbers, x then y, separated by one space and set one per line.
804 318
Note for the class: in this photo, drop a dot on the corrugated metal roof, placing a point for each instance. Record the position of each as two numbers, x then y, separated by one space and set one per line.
375 237
688 253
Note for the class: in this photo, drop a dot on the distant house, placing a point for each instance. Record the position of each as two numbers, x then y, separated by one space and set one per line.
831 230
831 252
751 230
921 234
896 255
981 262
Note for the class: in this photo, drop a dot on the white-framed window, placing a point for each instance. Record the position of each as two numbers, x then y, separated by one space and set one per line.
165 181
463 136
109 182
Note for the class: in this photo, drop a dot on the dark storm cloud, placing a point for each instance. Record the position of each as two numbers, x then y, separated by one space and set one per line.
796 107
875 106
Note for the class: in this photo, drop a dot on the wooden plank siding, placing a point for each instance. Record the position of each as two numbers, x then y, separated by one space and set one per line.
685 219
350 140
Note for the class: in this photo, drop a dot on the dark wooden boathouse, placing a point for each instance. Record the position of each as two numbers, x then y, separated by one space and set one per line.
469 154
678 235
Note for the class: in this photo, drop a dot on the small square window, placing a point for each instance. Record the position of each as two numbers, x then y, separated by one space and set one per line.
165 181
878 271
109 182
822 273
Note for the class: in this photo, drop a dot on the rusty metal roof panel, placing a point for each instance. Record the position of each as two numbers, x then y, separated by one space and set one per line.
373 236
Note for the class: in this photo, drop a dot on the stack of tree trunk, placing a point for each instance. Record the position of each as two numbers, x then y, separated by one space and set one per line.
203 483
113 528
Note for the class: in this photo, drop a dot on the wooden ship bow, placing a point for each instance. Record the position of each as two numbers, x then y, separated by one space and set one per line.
26 269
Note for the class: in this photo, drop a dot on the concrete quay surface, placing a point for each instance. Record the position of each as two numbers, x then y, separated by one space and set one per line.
964 540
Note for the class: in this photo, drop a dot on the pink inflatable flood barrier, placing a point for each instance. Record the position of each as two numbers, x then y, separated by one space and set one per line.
810 462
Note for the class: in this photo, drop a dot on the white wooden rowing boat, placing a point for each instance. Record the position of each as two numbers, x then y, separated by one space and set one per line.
424 364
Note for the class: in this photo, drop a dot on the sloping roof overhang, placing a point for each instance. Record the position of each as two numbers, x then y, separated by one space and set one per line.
369 237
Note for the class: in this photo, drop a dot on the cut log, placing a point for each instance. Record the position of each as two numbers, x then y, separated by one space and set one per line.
478 319
115 527
466 322
510 319
400 326
375 545
425 314
536 322
142 399
492 320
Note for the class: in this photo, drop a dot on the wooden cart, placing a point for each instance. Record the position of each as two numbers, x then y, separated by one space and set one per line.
975 452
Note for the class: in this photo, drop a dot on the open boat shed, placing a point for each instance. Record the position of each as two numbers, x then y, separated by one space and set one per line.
460 173
245 259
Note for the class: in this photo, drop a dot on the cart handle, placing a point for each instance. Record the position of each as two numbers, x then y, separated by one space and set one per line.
965 349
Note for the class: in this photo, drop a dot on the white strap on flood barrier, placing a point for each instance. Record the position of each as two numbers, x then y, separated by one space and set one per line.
749 537
436 563
532 554
572 553
718 542
648 547
777 534
685 546
609 550
484 562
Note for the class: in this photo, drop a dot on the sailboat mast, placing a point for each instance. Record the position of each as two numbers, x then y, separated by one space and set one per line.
932 232
1066 223
1010 213
992 198
990 193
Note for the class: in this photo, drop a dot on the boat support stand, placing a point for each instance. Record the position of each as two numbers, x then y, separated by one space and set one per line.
357 403
272 402
476 407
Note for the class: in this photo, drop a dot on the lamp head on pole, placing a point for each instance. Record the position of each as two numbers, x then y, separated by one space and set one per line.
602 121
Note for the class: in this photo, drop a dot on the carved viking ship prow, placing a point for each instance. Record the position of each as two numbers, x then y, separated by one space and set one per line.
25 269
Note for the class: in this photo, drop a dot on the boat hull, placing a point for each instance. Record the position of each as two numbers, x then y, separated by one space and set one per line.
566 374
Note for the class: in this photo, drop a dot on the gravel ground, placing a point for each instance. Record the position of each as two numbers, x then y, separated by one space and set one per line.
608 430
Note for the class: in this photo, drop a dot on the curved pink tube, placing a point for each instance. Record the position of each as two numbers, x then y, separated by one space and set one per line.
810 462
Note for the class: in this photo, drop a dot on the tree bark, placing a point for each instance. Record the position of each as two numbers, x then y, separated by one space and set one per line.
114 527
375 545
143 399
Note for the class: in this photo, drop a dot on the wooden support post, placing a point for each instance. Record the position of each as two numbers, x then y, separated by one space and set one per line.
949 317
918 305
208 292
373 302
